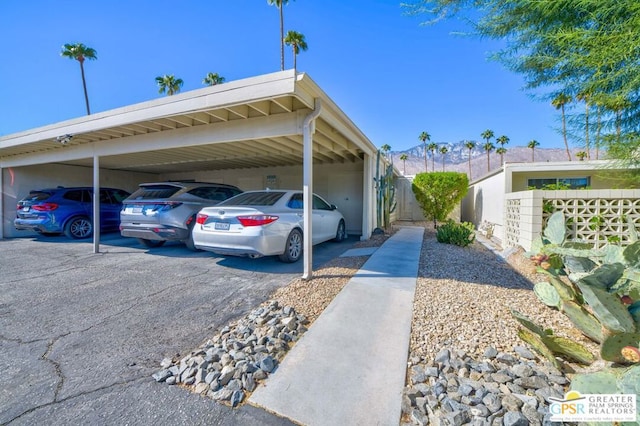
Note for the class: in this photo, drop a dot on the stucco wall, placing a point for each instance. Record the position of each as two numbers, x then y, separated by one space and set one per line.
600 179
18 181
339 184
485 202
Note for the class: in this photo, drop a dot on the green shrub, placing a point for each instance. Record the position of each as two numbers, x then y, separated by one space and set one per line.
460 234
439 193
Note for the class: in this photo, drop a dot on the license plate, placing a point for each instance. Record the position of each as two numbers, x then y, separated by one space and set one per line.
25 209
221 226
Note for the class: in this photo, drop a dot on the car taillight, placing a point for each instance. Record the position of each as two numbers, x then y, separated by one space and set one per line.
256 220
201 218
44 207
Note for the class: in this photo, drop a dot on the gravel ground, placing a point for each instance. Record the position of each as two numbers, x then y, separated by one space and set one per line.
462 302
311 297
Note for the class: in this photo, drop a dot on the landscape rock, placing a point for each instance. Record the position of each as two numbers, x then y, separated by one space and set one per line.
229 365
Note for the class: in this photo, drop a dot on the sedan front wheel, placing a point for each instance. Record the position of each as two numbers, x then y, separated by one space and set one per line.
293 247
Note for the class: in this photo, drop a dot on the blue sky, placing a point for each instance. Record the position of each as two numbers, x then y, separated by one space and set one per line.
392 76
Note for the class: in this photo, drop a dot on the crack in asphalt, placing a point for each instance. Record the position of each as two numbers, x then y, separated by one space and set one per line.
56 367
71 397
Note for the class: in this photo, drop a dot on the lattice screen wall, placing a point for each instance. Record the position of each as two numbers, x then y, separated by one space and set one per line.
512 222
597 220
593 216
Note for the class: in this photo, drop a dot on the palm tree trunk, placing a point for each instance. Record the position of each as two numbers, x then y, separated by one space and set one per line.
564 133
533 155
469 164
598 129
281 38
404 167
84 86
426 166
488 162
433 161
294 59
443 162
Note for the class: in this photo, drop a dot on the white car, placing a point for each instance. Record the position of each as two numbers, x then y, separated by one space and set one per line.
265 223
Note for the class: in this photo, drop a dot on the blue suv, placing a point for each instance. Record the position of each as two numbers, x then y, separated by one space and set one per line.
69 210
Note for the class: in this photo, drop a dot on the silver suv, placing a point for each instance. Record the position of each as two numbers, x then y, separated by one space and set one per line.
166 211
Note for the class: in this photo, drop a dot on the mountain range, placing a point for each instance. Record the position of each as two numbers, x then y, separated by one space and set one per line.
457 158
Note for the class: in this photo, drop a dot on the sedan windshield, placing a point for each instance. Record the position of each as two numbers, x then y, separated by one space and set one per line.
266 198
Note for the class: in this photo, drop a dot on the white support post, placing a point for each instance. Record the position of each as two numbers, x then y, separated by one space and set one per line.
96 204
2 192
308 129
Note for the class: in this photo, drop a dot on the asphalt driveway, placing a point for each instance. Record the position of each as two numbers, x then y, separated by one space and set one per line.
81 333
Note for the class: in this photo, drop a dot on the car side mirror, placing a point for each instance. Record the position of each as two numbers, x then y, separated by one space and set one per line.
333 207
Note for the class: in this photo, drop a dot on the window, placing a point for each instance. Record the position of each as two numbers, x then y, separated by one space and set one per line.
78 195
266 198
319 204
559 183
296 202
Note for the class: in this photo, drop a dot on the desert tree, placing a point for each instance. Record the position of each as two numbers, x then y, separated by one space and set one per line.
213 79
279 4
470 145
443 151
424 138
488 147
297 42
80 53
404 158
533 144
169 84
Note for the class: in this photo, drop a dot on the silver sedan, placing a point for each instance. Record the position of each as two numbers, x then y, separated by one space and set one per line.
265 223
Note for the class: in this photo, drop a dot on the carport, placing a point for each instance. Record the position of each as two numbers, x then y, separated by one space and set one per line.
275 130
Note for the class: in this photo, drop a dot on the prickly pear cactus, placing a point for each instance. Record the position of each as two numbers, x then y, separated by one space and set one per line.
583 320
547 294
568 348
608 308
603 381
611 349
556 230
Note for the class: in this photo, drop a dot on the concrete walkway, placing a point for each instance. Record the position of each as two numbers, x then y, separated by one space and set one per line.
349 368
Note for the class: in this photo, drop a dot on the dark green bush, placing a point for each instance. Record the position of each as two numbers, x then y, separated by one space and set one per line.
439 193
460 234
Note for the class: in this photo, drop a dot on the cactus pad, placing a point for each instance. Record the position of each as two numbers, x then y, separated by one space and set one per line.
536 343
611 349
583 320
603 381
556 229
547 294
608 308
568 348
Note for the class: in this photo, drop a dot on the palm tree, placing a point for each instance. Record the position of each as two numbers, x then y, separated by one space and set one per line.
403 158
502 140
559 102
581 155
212 79
585 96
80 52
385 148
470 145
297 43
488 147
443 151
424 138
432 147
169 84
532 144
502 151
487 135
279 4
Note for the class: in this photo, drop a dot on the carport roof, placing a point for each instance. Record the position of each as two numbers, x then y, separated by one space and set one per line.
254 122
